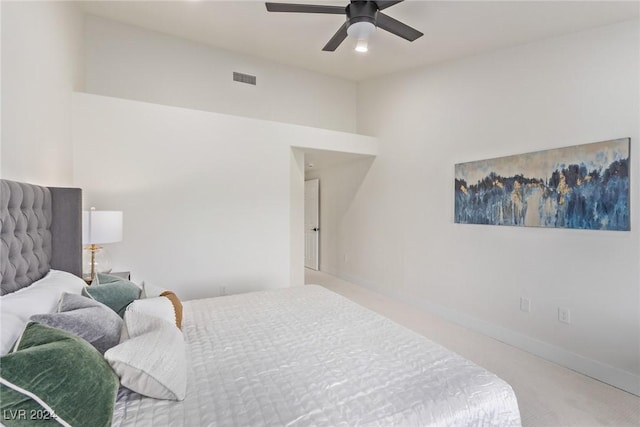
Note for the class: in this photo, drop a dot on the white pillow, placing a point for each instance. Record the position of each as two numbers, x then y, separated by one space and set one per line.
150 291
10 330
41 297
153 360
157 306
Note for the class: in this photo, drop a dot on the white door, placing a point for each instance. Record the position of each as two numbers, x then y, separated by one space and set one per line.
311 223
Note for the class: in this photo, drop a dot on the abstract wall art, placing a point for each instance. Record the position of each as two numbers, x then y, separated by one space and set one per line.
583 186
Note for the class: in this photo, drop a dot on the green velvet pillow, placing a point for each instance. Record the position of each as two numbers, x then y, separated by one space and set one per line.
55 371
115 295
104 278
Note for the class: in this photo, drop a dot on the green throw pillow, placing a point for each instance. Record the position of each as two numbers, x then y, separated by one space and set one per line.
115 295
54 370
104 278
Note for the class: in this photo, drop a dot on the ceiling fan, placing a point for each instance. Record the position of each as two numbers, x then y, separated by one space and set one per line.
362 19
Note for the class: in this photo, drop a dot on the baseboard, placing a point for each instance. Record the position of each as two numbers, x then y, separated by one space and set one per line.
608 374
329 269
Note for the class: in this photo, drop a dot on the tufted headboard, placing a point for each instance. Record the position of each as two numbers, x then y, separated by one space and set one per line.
40 229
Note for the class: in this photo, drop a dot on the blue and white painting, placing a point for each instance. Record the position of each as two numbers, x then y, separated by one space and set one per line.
584 186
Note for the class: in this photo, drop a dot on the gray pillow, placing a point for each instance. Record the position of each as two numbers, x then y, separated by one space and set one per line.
89 319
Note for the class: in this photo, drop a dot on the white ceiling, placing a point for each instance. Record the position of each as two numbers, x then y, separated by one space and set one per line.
452 29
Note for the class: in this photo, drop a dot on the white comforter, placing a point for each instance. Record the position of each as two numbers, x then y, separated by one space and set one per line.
306 356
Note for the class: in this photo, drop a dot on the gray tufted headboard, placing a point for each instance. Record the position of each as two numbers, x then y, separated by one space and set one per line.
40 229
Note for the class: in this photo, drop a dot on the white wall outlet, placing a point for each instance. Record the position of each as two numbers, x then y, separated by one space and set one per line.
223 290
525 304
564 315
346 258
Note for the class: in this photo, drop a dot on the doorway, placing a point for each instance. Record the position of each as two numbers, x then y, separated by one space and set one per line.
312 224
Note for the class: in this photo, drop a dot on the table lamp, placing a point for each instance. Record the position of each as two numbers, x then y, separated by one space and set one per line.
99 228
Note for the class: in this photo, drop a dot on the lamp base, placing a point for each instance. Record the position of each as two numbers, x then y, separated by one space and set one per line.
95 259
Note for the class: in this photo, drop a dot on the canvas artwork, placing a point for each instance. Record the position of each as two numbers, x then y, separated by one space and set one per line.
584 186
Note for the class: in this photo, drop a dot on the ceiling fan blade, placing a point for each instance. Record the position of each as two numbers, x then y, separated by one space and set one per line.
382 4
304 8
396 27
337 38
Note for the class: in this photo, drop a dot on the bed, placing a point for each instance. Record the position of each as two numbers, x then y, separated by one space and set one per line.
304 356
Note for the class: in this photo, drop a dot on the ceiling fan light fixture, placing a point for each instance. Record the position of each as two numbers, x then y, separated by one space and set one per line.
361 31
362 46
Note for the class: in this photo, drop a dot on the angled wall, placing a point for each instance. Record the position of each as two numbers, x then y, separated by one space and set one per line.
134 63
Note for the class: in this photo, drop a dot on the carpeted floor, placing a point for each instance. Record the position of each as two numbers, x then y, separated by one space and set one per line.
548 394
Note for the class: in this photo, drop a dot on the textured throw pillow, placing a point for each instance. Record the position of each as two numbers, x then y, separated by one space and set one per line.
152 291
115 295
161 307
152 361
54 374
86 318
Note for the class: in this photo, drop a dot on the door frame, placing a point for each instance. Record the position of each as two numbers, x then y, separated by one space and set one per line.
315 264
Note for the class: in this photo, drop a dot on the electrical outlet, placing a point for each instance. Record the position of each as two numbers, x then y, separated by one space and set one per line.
564 315
346 258
223 290
525 304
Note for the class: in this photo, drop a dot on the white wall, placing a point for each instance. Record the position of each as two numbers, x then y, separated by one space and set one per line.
398 236
208 199
130 62
41 66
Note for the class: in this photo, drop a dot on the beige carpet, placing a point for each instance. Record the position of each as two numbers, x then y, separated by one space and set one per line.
548 394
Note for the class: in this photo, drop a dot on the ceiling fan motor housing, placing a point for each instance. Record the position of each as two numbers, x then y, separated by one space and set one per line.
362 11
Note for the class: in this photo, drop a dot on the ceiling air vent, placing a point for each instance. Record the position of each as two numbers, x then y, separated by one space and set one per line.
244 78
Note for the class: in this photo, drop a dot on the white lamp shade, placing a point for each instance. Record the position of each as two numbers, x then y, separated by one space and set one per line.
100 227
